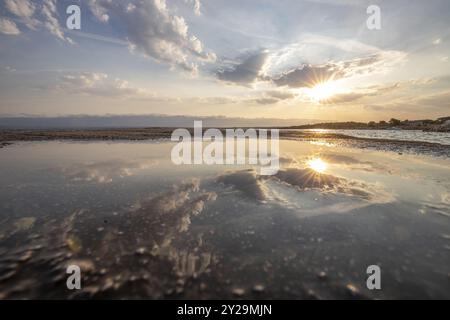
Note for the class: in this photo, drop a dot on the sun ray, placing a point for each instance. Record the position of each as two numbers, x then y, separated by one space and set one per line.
318 165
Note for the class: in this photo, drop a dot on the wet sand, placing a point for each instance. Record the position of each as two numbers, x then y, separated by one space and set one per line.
417 147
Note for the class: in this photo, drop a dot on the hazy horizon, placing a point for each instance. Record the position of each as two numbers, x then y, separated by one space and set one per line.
148 120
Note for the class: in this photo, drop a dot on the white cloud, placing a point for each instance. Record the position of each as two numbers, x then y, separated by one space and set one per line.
196 4
51 23
35 15
24 9
8 27
152 30
21 8
101 84
100 13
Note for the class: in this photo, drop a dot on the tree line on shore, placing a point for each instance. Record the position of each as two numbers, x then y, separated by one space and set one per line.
440 124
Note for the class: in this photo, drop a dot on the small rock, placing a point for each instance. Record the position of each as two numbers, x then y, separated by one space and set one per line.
141 250
26 256
258 288
352 290
239 292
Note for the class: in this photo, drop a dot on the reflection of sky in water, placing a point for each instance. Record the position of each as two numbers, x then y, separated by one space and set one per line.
141 227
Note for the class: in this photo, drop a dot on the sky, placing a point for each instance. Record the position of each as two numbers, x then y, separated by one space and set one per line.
287 59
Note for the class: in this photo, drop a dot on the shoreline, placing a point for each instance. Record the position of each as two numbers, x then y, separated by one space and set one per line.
9 137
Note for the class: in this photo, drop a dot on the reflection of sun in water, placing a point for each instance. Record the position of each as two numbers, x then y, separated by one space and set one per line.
317 165
324 90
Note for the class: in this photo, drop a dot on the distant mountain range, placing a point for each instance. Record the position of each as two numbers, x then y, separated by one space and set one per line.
140 121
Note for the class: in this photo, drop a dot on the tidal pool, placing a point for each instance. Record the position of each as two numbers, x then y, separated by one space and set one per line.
140 227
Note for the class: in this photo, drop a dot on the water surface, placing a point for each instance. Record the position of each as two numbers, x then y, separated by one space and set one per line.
403 135
141 227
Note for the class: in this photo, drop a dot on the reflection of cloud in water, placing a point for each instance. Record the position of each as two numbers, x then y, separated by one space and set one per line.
246 181
105 172
152 237
175 209
298 188
439 204
308 178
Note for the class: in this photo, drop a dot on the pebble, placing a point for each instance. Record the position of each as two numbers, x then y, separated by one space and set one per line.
352 290
239 292
141 250
258 288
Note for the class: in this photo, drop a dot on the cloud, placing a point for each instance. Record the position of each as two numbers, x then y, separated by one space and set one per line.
246 71
196 4
245 181
274 96
440 100
311 60
155 32
305 179
8 27
438 103
51 23
380 62
46 16
281 95
308 76
359 93
106 172
23 9
98 11
100 84
265 101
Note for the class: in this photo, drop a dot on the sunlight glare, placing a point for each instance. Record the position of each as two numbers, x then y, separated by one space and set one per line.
318 165
324 90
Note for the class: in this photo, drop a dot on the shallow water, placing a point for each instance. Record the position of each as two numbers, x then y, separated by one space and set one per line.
404 135
141 227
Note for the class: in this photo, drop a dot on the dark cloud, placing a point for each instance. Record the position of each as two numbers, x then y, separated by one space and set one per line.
308 76
265 101
245 72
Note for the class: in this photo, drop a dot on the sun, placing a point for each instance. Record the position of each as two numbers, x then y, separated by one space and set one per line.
324 90
318 165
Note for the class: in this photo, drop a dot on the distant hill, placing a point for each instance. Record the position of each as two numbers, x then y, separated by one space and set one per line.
139 121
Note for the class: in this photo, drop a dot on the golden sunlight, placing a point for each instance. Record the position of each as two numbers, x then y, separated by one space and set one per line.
317 165
324 90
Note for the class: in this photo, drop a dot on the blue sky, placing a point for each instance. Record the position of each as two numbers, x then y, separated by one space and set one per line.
252 58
